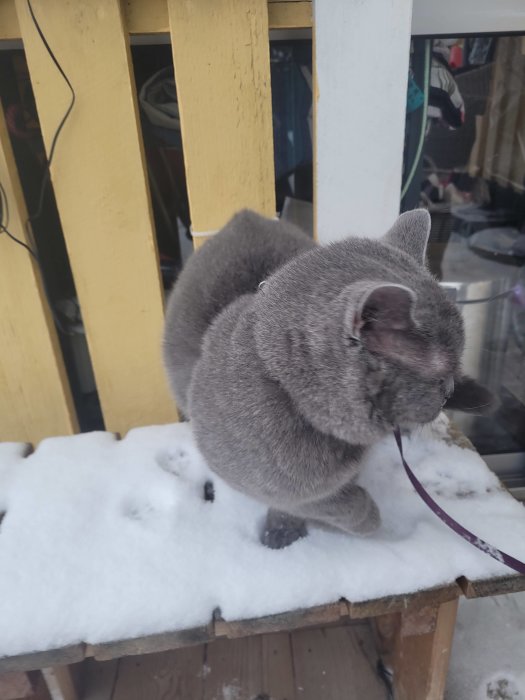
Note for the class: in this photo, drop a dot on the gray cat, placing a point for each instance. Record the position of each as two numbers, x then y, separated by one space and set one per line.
290 359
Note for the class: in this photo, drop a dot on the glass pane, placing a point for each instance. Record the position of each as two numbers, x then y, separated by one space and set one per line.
465 162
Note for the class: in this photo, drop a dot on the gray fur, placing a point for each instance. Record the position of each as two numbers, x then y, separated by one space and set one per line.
289 382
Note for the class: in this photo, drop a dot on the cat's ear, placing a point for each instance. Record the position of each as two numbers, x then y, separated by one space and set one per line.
379 316
471 397
381 306
410 233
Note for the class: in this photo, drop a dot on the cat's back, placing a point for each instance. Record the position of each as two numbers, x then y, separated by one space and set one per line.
234 262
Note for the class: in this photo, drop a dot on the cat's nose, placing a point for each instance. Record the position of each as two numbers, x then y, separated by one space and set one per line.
447 385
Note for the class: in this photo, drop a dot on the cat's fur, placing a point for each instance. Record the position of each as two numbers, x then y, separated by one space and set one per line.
288 382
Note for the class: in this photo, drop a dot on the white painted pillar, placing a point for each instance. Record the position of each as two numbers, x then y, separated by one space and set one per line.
361 56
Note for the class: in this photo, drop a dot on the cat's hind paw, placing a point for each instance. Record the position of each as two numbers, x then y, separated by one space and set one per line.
281 530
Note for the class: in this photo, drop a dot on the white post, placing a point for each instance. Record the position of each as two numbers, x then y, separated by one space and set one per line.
362 56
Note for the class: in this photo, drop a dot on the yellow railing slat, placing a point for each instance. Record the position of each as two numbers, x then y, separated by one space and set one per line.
102 195
35 401
151 16
222 71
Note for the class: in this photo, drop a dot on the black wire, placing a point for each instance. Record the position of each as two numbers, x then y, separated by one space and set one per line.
507 293
24 245
34 255
38 213
4 204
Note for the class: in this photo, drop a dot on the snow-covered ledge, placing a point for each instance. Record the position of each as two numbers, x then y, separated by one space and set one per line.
105 540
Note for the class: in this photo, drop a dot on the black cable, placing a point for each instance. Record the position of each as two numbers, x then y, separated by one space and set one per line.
507 293
17 240
36 215
4 204
4 223
47 175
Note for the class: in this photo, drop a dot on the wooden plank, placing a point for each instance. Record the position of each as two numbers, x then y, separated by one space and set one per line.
43 659
60 683
175 674
151 644
330 664
233 669
359 128
101 189
419 620
408 601
492 586
222 68
9 27
35 399
295 619
289 15
419 661
151 17
15 686
277 667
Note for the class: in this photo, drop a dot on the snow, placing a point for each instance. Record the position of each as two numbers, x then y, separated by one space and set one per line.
488 652
105 540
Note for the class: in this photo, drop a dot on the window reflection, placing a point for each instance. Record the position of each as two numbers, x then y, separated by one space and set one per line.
465 162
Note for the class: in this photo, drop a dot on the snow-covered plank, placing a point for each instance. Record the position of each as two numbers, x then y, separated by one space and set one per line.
142 554
294 619
361 57
482 588
399 603
71 654
152 643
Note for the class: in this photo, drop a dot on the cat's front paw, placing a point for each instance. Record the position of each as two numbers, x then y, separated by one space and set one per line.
281 530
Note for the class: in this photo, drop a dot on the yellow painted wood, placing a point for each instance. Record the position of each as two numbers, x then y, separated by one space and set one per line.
146 16
102 195
151 16
289 15
222 71
9 27
35 400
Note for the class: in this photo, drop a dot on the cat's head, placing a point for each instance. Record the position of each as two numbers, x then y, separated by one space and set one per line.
361 336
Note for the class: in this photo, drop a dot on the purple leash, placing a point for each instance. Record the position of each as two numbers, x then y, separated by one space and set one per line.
494 552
